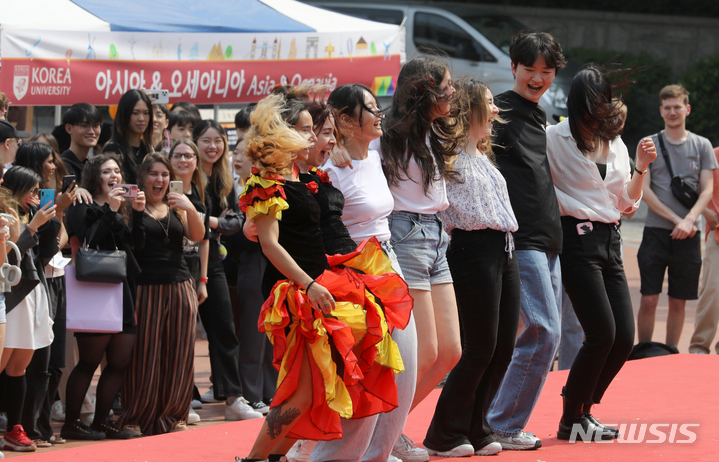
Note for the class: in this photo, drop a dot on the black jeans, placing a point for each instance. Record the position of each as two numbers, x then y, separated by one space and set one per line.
593 276
487 287
223 346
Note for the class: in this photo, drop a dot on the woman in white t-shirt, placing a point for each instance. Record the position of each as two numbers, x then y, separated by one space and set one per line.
417 147
594 185
368 203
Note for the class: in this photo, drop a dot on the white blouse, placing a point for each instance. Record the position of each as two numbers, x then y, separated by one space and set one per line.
481 201
581 191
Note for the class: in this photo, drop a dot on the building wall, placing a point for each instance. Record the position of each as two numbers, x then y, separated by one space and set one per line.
679 40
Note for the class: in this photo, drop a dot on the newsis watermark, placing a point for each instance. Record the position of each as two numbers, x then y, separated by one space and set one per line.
637 433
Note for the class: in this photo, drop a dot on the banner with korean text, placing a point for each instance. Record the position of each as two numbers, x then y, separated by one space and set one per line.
63 68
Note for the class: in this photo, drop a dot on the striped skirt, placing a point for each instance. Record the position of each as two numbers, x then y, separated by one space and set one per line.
157 391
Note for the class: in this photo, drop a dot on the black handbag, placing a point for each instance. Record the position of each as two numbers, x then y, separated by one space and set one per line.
681 190
109 266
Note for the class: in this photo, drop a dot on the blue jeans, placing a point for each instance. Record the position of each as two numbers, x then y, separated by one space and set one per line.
536 347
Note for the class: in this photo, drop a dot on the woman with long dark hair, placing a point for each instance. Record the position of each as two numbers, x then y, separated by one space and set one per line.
417 146
43 374
27 304
157 390
110 222
594 185
132 132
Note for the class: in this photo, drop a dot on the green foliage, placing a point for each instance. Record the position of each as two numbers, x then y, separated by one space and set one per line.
649 75
699 8
702 81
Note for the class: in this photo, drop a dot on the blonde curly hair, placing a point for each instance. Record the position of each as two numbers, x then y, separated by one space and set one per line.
271 143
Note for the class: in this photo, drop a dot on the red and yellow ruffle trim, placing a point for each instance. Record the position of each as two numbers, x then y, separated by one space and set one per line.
263 196
352 355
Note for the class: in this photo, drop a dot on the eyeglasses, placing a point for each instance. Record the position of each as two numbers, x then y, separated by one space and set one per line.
86 126
35 191
182 155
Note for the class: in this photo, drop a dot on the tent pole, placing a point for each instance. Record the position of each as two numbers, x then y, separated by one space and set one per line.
58 115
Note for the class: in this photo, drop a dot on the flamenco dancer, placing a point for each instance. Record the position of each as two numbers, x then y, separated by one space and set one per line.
329 319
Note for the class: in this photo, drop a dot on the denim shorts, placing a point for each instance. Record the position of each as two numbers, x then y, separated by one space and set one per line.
421 245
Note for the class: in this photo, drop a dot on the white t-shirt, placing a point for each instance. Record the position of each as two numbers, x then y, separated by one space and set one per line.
368 200
409 194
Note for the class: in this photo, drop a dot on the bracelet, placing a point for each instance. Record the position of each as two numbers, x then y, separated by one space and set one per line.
203 279
307 289
31 229
639 171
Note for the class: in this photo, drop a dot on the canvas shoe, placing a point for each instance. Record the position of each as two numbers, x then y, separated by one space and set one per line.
40 443
463 450
17 440
489 450
193 418
196 404
522 442
209 397
240 410
406 450
57 413
260 407
392 458
301 451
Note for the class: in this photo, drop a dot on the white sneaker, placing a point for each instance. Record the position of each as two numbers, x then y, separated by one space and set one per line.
196 404
406 450
240 410
301 451
489 450
209 397
522 442
463 450
57 413
193 417
393 459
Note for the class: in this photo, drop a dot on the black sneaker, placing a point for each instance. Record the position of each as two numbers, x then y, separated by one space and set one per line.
108 428
79 431
260 407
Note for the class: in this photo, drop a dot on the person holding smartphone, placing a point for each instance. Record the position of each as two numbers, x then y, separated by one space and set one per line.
44 372
110 221
27 304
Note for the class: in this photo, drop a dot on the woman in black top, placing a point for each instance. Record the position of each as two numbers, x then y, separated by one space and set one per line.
132 132
109 222
216 311
184 157
157 391
335 236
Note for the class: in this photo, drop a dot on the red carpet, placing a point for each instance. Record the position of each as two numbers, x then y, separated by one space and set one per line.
678 389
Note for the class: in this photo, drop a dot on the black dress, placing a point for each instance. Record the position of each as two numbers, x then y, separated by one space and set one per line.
300 235
335 236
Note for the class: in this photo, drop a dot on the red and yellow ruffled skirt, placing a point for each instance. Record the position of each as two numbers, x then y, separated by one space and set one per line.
351 352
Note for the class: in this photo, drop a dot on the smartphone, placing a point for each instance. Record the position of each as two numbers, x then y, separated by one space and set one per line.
129 190
158 96
47 196
177 187
67 181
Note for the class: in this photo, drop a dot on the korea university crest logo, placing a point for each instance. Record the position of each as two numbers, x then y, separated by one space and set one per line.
21 81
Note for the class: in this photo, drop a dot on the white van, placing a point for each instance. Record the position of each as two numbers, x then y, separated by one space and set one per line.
475 38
